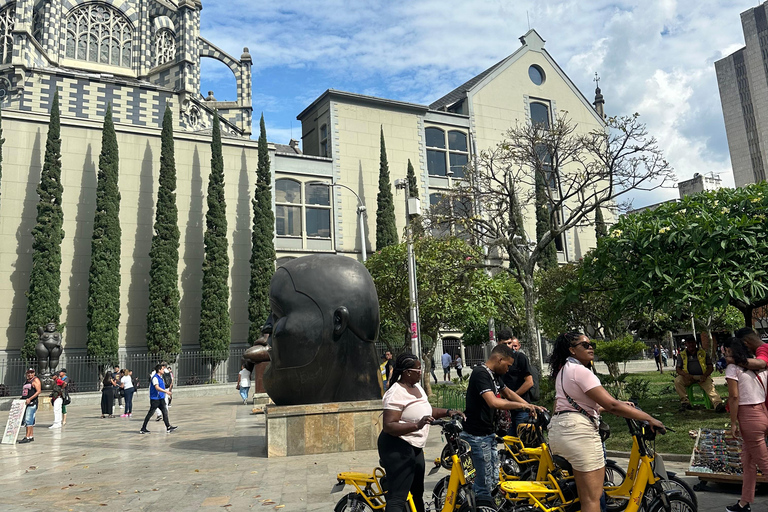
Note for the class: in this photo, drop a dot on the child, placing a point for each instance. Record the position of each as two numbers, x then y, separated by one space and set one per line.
57 400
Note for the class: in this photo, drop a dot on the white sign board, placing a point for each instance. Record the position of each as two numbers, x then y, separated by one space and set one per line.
14 421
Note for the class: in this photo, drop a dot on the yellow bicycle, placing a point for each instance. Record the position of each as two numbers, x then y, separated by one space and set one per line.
371 488
643 491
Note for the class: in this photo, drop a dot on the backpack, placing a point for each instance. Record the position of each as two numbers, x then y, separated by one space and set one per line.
535 392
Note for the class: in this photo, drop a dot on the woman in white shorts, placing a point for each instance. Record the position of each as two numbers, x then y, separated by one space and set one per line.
579 400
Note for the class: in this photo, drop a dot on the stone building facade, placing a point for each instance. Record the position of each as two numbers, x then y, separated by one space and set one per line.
139 56
439 139
742 78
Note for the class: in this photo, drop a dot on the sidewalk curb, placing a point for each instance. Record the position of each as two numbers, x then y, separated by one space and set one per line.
672 457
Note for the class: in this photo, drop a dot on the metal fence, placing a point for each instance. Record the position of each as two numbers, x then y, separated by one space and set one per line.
85 372
449 398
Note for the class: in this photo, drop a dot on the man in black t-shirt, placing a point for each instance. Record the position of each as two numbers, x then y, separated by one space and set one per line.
519 378
483 396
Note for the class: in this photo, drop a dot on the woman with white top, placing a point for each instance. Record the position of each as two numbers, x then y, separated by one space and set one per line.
749 418
126 384
579 400
407 415
244 382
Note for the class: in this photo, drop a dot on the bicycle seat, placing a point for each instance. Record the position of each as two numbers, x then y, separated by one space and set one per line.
562 463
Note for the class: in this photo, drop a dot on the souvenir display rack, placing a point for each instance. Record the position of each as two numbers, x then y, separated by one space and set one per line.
716 458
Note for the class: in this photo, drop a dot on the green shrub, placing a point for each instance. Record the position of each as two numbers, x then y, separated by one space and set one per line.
620 350
638 388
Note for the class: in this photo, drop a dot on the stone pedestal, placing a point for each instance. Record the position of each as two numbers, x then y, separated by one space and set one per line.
322 428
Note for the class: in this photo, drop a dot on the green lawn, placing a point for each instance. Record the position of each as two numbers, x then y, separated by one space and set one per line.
662 403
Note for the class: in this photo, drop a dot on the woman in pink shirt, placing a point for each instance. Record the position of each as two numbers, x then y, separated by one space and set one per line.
579 400
749 418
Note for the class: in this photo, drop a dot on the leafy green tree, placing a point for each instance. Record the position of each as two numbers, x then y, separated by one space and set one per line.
601 228
413 186
548 259
214 313
509 311
446 264
263 247
163 314
386 228
104 277
708 251
45 277
578 170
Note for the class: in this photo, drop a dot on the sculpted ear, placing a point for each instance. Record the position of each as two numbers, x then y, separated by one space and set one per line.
340 321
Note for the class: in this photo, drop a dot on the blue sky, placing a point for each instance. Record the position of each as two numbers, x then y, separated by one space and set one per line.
655 57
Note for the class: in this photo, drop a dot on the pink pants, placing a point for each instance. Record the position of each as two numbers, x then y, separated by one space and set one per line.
753 424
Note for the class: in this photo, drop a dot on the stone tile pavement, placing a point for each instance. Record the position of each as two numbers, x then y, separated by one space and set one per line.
216 459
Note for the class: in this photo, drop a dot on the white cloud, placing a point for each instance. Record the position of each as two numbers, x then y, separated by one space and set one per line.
655 57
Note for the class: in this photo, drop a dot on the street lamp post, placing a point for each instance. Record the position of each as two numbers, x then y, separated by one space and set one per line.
412 285
360 211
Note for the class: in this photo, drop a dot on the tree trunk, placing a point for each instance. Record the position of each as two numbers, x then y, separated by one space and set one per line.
426 374
529 292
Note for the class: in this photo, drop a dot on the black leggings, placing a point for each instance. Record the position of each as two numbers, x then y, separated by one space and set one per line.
404 465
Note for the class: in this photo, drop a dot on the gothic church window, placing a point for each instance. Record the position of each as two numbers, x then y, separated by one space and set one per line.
165 46
7 17
101 34
37 25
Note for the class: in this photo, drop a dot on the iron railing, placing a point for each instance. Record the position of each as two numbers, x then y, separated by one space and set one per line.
86 372
449 398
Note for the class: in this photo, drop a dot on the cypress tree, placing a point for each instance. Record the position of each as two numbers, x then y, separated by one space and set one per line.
413 186
163 313
45 277
601 228
544 225
386 228
104 277
262 239
214 314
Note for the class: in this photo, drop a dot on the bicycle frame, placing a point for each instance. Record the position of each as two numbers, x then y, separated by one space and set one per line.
457 480
634 486
368 487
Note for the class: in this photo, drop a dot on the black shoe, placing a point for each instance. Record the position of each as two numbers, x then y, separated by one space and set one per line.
27 440
171 429
738 508
721 408
143 431
685 406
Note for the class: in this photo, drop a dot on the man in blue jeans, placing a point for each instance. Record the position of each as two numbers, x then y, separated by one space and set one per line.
518 378
484 394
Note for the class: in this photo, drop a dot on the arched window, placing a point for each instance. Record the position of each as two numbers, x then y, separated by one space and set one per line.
7 17
99 33
288 207
540 114
436 152
165 46
446 163
37 25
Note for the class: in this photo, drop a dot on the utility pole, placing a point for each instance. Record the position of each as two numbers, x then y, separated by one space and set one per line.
411 203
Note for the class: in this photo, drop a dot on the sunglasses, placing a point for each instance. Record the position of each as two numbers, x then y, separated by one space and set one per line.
586 345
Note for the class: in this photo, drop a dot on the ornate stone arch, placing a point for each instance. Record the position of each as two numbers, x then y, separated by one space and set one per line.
97 32
211 51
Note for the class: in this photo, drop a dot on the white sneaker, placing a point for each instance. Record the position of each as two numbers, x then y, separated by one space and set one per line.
55 425
122 407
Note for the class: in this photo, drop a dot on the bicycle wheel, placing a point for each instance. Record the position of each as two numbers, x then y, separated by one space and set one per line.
352 502
614 475
440 490
676 504
678 484
445 456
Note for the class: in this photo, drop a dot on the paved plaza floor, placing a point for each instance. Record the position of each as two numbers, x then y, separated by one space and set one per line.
216 459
